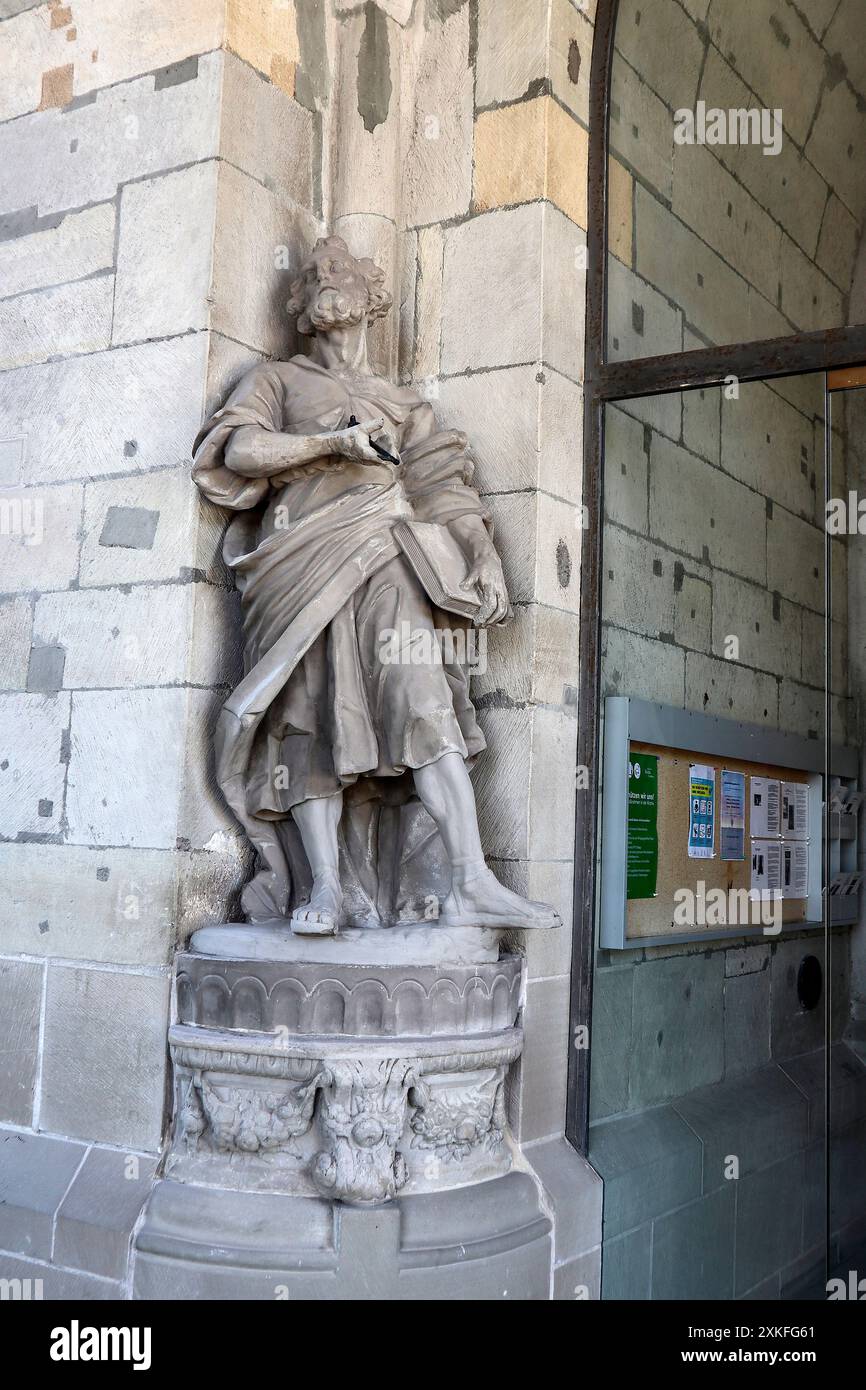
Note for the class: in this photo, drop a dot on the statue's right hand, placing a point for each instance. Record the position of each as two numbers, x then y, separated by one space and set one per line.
354 442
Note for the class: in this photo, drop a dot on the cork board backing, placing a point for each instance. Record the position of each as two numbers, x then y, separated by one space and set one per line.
649 917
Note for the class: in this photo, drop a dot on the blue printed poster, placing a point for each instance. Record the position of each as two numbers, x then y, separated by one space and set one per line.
702 807
732 816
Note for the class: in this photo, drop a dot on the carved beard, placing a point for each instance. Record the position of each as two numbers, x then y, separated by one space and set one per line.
334 309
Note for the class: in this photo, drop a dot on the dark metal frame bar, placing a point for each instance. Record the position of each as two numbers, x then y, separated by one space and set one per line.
605 381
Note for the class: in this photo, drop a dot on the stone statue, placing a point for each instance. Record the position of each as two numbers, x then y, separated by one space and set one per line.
346 759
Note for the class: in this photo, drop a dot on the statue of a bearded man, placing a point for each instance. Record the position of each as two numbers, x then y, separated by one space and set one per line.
348 770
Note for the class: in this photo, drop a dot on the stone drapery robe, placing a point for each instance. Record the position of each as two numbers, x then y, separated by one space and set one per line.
319 574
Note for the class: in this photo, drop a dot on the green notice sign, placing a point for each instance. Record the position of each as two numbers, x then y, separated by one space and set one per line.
643 831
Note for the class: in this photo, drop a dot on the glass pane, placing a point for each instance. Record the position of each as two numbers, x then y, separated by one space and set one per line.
708 1049
847 1154
737 181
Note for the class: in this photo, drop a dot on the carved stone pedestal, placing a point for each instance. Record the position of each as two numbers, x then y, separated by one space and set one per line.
306 1088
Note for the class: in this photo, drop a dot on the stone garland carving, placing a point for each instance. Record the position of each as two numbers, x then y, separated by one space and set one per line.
344 1123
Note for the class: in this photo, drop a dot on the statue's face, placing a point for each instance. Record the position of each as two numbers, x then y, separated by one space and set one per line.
336 291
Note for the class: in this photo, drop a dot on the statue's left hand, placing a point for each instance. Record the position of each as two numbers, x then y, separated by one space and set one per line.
486 576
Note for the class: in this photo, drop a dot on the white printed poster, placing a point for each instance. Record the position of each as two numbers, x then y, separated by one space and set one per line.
767 865
765 807
795 869
795 810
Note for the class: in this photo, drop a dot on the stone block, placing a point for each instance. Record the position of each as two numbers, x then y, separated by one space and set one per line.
125 43
641 132
730 691
701 416
693 1250
649 1162
40 550
102 905
747 1022
767 628
801 710
533 750
647 41
103 1065
437 166
847 1087
543 1068
71 248
646 589
113 638
695 508
547 953
848 1157
560 469
33 769
527 151
795 559
512 40
769 445
574 1191
268 135
809 299
532 659
639 316
250 286
35 1171
769 1221
54 322
837 247
662 413
746 960
840 29
626 478
55 160
499 411
717 301
678 1027
20 1007
626 1266
57 1285
758 1118
118 794
713 204
777 56
611 1041
264 33
16 620
569 57
642 668
96 1217
164 254
161 506
840 110
493 320
563 293
119 433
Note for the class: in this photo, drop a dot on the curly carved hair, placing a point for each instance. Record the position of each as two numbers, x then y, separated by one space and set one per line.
379 300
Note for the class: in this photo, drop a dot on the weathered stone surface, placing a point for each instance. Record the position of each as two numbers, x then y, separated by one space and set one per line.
20 1008
641 668
693 1250
730 524
264 33
119 433
626 1265
53 322
770 445
722 687
125 43
104 1083
767 628
574 1190
35 1171
165 223
544 1065
725 215
16 619
118 794
777 56
795 559
647 41
268 135
527 151
570 56
759 1117
535 752
161 500
437 167
57 160
77 246
34 770
112 638
492 320
612 1043
640 315
97 1215
678 1037
641 133
103 905
747 1022
649 1163
511 49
